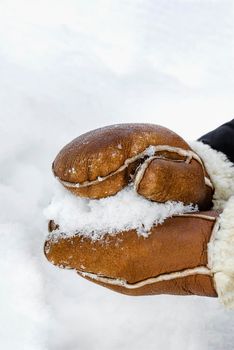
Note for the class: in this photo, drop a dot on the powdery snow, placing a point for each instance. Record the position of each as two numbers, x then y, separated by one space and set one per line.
71 66
94 218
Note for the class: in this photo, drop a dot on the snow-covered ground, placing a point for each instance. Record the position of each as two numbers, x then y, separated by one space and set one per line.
70 66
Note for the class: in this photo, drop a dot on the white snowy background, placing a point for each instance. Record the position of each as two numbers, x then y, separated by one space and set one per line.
68 66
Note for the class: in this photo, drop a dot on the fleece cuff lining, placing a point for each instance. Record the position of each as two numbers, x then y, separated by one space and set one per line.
220 170
221 255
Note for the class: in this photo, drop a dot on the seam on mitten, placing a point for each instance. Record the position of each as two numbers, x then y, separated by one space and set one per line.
148 152
201 270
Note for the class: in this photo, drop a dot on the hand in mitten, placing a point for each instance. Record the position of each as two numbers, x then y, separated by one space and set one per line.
157 162
160 166
189 254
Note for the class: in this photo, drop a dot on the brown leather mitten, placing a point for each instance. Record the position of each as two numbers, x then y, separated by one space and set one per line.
159 163
188 254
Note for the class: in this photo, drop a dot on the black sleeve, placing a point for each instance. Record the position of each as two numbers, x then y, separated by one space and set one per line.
221 139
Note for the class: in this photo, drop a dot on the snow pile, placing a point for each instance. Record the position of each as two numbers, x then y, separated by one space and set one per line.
94 218
24 316
71 66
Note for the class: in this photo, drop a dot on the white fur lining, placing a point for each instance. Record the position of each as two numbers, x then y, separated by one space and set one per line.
221 255
220 170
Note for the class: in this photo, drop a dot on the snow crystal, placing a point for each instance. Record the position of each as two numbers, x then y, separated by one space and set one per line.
150 151
95 217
